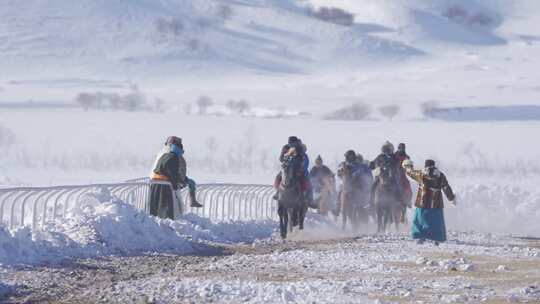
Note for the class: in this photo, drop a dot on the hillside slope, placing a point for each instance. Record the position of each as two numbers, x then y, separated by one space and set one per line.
454 51
115 36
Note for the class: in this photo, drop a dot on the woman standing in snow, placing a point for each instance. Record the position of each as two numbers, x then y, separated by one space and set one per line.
428 220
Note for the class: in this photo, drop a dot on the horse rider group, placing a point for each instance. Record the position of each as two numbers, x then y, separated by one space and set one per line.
387 164
389 167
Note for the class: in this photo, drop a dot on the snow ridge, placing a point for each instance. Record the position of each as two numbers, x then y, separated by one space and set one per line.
117 228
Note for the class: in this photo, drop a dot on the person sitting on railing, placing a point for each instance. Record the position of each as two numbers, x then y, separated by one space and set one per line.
182 169
165 170
170 166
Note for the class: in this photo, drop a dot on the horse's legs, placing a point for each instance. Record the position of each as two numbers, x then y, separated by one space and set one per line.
283 221
343 219
345 213
343 204
401 213
380 219
292 214
302 216
354 217
387 217
323 203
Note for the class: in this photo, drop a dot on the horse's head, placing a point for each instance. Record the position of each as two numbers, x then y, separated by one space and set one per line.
288 176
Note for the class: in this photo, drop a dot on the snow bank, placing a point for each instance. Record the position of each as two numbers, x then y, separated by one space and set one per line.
116 228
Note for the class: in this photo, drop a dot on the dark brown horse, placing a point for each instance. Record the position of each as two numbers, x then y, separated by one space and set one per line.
292 206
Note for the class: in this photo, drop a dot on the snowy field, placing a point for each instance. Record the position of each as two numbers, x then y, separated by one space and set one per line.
270 69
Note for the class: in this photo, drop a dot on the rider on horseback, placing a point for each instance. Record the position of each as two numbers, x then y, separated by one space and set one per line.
319 173
401 154
387 168
323 186
360 173
295 152
355 163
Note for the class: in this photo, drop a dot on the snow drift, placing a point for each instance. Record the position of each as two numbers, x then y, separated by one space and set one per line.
116 228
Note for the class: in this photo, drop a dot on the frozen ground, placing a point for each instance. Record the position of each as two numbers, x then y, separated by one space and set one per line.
470 268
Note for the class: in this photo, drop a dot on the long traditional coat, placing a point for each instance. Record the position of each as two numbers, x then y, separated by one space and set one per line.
162 196
428 222
431 188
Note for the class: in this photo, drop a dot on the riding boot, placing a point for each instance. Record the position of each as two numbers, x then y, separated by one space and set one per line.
193 201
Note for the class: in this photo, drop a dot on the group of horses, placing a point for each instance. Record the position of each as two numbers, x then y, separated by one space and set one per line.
384 202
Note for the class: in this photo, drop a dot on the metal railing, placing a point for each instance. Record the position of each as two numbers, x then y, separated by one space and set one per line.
35 206
229 201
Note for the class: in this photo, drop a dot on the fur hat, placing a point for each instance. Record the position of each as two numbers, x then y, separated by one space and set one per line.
292 140
350 156
387 148
429 163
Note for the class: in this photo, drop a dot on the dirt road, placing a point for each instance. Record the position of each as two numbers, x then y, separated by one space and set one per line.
393 269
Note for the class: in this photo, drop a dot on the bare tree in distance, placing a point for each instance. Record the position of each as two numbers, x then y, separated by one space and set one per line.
224 12
203 102
429 107
357 111
389 111
240 106
91 100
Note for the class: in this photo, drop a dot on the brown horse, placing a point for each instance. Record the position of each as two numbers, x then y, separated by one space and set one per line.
327 195
387 201
353 200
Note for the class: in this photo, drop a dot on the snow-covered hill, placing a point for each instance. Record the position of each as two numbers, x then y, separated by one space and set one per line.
455 51
121 35
144 36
